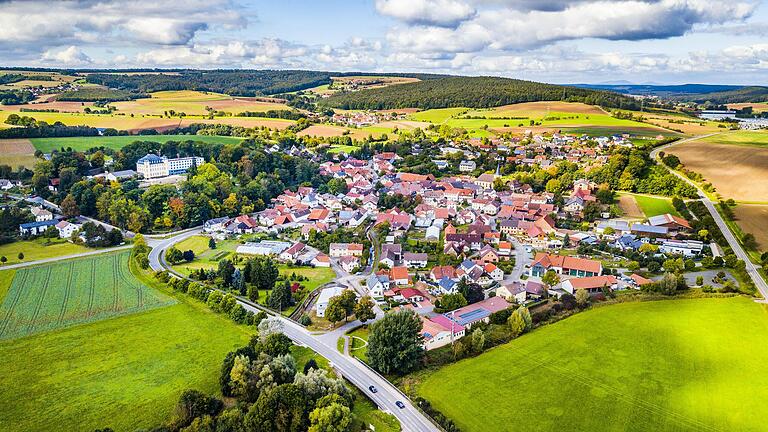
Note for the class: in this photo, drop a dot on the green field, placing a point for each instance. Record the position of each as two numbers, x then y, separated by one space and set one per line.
65 293
654 206
753 138
39 249
125 373
46 145
6 277
676 365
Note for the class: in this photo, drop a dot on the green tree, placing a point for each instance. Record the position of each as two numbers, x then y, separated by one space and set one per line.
20 255
582 297
211 243
281 409
478 340
550 278
335 312
395 343
364 309
332 418
280 297
516 324
173 255
451 302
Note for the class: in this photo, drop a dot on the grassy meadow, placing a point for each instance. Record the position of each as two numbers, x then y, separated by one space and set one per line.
654 206
125 373
676 365
37 249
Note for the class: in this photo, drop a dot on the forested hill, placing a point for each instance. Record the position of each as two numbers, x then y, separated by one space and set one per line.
238 83
473 92
744 94
231 82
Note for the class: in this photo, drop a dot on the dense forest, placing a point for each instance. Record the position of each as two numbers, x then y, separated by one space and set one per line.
231 82
473 92
744 94
99 94
238 83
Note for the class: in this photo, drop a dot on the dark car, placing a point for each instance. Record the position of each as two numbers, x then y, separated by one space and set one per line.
372 389
400 404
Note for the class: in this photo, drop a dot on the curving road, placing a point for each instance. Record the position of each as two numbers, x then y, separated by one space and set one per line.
733 242
359 374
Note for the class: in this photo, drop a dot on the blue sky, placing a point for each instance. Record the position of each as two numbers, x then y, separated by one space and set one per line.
659 41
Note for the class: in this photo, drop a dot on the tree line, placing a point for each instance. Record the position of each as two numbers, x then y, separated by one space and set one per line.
473 92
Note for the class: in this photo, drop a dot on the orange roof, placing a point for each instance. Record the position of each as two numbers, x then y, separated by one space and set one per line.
398 273
566 262
505 245
640 280
592 282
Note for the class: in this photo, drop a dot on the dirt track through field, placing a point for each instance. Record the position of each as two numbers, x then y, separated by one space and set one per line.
738 172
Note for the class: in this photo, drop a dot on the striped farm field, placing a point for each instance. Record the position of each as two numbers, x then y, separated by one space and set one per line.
65 293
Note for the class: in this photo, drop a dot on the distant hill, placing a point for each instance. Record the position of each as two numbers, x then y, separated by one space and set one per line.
700 93
473 92
231 82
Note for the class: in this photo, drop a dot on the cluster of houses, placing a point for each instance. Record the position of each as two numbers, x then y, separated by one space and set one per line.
44 219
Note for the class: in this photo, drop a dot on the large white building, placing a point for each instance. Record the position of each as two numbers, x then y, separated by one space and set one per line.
154 166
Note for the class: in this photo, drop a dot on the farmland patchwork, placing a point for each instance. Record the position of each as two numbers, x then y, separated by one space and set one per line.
72 292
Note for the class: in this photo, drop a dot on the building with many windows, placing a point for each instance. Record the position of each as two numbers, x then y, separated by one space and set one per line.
154 166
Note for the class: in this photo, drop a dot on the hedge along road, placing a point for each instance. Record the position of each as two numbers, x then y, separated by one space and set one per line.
752 270
359 374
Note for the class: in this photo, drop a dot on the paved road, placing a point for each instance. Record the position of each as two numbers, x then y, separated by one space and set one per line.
160 245
356 372
760 283
64 257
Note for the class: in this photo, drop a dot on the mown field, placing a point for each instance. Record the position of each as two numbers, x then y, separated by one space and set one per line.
654 206
677 365
731 162
38 249
125 373
17 152
46 145
123 121
194 103
65 293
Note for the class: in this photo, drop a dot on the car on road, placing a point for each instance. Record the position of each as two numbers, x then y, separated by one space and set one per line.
372 389
400 404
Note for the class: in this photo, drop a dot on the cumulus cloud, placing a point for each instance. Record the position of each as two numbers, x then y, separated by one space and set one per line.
71 56
45 23
429 12
505 27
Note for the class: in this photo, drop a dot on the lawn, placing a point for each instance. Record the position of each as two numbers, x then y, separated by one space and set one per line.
125 373
40 248
358 343
654 206
65 293
675 365
46 145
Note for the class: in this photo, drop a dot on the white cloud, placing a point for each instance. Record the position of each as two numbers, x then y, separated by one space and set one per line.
45 23
509 28
71 56
431 12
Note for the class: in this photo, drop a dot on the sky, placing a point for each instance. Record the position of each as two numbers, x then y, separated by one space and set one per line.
557 41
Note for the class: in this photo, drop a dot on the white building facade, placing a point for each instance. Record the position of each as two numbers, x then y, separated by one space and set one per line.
154 166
